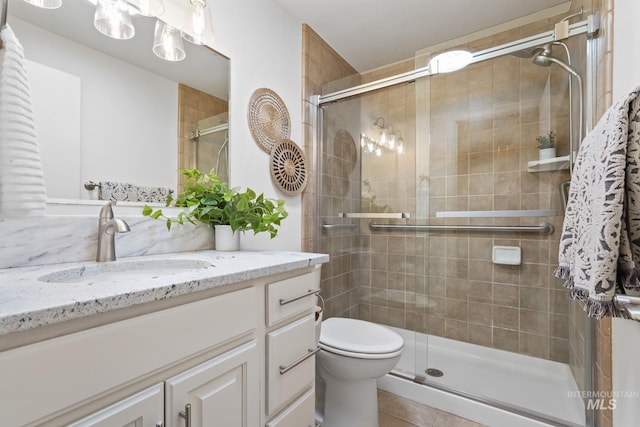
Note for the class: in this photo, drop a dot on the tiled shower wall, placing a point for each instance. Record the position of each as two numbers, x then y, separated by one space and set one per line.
340 173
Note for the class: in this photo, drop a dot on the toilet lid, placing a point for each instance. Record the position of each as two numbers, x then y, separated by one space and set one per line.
358 336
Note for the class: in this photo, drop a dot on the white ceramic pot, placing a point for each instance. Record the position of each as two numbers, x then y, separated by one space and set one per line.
547 153
226 239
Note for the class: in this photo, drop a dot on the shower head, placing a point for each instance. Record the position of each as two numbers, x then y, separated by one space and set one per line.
542 54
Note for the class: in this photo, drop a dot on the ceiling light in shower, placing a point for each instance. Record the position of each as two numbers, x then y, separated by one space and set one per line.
452 60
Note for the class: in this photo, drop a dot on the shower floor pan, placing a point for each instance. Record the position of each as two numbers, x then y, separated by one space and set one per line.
491 379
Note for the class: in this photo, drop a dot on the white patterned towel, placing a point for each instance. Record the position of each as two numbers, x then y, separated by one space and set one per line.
600 241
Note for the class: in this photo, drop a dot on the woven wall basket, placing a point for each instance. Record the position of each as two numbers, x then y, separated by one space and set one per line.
288 167
269 120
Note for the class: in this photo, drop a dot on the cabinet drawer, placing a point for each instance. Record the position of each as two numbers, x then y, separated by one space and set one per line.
290 362
292 296
300 413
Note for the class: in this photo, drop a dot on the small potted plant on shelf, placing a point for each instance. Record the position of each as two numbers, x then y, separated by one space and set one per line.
210 201
547 145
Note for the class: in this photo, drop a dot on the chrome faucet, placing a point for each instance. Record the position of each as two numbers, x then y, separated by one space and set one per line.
108 226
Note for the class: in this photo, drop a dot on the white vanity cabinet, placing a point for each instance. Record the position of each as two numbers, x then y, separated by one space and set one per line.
220 392
143 409
241 355
188 348
290 351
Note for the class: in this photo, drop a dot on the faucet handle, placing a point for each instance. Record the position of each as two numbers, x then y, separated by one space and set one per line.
106 211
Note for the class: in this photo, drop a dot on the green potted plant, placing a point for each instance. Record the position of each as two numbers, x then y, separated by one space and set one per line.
210 201
547 145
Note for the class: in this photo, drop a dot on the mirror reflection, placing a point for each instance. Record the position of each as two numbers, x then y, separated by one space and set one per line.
110 111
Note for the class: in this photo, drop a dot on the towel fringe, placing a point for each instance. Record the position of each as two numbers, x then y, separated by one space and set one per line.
594 308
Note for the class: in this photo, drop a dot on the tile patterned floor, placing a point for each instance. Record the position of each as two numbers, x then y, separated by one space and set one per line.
395 411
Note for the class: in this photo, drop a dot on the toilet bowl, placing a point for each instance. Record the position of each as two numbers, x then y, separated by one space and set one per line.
353 354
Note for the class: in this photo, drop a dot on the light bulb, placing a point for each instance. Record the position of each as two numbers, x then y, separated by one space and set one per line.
400 148
370 147
198 28
378 152
167 43
112 19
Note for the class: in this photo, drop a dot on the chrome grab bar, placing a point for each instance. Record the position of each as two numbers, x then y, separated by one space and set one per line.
338 226
628 304
375 215
310 292
310 352
544 228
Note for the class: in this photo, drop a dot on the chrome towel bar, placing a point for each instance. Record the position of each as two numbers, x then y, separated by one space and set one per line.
544 228
628 304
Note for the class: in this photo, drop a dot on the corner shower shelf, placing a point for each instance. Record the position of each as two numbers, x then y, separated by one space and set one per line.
554 164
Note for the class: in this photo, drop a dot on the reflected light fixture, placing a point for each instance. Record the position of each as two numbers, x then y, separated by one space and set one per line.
167 42
388 140
112 19
198 28
45 4
450 61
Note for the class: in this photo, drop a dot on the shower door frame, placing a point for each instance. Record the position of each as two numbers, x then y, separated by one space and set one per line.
590 27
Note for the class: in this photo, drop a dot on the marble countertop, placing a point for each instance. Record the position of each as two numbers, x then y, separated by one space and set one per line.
27 301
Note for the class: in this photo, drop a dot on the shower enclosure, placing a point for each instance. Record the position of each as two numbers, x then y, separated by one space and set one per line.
442 222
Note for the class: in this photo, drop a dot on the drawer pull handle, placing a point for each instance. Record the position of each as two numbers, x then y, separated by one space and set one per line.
310 352
310 292
186 414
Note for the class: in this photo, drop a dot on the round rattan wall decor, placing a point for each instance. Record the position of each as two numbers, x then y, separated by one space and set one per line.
269 120
288 167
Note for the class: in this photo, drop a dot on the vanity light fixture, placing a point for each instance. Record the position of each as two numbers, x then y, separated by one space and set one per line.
112 19
198 28
167 42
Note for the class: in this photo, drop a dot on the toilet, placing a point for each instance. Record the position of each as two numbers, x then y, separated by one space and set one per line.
353 354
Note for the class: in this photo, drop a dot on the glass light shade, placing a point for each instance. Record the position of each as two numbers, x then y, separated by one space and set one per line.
112 19
447 62
167 42
198 28
45 4
148 7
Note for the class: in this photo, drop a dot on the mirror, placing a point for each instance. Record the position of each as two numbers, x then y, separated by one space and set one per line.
109 110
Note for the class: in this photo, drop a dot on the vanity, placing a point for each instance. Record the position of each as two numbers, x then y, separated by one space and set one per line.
199 338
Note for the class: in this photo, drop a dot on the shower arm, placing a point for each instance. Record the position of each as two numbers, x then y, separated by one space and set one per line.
580 100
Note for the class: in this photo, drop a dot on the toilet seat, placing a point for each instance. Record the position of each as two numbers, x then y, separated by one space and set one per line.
359 339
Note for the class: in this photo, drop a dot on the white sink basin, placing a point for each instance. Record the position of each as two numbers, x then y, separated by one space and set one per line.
125 270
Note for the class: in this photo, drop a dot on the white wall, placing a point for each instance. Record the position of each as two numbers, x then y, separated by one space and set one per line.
626 333
265 47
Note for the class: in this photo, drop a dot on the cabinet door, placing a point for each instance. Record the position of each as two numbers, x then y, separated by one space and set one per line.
223 392
144 409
